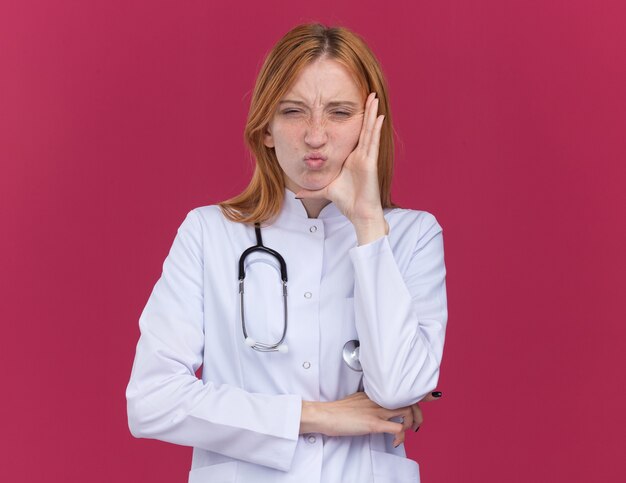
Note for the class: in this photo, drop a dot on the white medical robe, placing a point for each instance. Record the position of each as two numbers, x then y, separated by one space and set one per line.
242 418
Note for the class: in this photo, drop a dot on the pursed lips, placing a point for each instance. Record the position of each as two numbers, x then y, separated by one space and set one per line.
315 160
315 155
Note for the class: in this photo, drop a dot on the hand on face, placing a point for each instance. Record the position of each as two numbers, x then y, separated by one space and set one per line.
355 191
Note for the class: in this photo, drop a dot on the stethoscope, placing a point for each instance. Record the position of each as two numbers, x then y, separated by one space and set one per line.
350 351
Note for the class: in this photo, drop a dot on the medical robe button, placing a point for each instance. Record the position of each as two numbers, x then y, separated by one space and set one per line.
313 229
306 364
307 295
311 439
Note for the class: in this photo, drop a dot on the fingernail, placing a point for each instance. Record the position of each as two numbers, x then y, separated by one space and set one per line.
436 393
298 197
417 429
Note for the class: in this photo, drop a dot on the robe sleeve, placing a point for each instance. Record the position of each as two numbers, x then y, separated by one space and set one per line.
165 399
401 316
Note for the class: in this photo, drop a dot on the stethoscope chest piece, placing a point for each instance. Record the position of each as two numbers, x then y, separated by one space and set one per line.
351 355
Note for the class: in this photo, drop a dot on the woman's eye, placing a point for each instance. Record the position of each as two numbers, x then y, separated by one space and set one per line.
298 111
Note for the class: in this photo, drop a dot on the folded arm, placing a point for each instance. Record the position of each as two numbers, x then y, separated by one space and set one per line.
165 399
401 316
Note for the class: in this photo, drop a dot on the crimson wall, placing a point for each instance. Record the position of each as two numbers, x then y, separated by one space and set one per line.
118 117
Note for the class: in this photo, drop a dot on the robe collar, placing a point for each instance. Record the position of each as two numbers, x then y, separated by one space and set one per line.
295 207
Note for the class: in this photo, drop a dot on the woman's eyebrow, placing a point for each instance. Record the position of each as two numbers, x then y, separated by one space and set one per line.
330 104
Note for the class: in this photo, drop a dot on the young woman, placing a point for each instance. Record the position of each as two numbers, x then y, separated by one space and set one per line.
316 307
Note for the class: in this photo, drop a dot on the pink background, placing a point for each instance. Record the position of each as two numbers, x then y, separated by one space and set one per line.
118 117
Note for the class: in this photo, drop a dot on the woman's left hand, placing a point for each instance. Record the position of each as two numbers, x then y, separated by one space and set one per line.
414 421
355 191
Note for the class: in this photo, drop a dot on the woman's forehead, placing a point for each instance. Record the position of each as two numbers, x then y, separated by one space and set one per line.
322 82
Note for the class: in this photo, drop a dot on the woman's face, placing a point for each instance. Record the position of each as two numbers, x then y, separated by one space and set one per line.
320 118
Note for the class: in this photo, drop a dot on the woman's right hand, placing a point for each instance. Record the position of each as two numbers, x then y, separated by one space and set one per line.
356 415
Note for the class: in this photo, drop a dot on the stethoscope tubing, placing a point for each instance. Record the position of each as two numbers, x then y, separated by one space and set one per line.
259 247
350 352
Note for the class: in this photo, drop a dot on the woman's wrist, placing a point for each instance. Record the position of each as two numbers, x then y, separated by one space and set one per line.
308 419
367 232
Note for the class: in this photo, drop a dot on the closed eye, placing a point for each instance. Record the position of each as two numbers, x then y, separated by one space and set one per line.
298 111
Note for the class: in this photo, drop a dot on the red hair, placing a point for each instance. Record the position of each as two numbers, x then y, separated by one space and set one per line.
262 199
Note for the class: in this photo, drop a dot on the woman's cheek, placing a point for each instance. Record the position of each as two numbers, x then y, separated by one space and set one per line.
351 139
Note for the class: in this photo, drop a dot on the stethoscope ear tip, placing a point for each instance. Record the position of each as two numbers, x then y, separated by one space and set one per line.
283 349
250 341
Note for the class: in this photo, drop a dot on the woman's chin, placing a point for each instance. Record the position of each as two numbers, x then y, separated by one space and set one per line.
317 183
309 181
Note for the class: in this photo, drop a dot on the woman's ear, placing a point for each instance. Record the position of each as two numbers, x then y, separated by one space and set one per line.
268 139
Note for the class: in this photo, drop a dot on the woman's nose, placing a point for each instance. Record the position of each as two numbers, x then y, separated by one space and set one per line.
316 132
